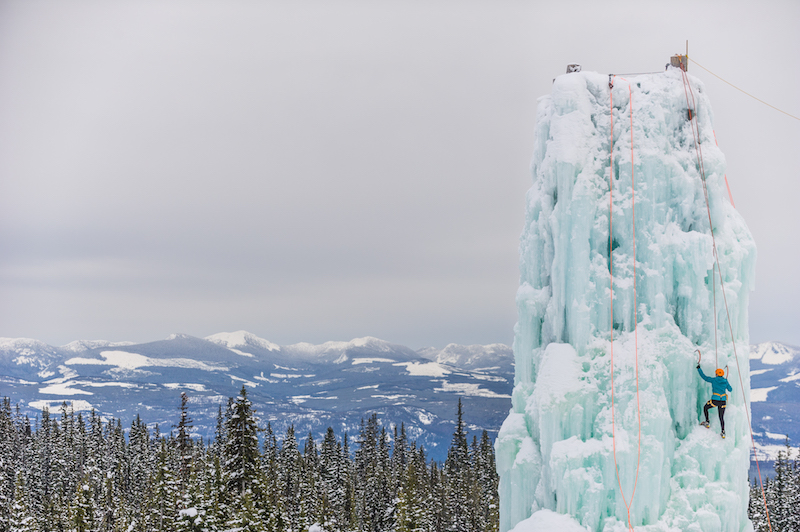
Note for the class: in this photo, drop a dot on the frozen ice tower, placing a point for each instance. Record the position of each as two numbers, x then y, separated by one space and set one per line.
565 462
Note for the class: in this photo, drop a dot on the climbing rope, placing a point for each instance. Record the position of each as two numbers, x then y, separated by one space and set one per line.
743 91
698 150
627 503
726 175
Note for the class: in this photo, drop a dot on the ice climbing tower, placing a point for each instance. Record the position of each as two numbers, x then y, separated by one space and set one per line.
618 287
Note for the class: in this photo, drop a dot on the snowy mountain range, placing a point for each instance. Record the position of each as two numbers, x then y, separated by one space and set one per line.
316 386
311 386
775 395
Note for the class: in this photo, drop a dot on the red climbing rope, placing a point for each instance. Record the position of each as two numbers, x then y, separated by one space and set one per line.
726 175
698 150
627 503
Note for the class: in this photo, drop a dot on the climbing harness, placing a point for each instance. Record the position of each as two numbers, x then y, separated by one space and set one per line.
687 87
628 503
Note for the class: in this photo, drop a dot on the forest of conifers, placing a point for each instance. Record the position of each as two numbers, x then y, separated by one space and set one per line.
69 472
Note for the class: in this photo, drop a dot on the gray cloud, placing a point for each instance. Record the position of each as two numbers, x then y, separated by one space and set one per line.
325 170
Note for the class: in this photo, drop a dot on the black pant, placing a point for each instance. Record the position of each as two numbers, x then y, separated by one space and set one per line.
721 406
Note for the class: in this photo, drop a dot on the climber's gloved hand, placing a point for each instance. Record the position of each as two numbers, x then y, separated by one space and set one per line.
698 366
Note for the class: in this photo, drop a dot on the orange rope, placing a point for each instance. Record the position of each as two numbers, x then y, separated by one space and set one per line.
627 503
726 175
725 298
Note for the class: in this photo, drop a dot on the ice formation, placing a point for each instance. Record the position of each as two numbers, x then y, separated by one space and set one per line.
555 451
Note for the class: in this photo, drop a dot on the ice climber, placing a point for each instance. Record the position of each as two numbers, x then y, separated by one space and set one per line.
719 397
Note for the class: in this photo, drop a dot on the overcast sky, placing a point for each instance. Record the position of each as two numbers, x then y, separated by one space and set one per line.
311 171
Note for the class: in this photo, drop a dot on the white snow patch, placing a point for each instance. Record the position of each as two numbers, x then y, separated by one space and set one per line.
104 384
483 377
189 386
303 398
755 372
241 339
426 418
77 404
251 355
550 521
370 360
84 345
791 378
126 360
470 389
392 397
371 386
759 395
769 451
774 436
772 353
188 512
247 382
424 369
63 389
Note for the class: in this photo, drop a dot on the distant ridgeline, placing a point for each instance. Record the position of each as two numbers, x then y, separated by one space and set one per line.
76 473
309 386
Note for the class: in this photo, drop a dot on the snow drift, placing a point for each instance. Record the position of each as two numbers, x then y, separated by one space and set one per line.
556 450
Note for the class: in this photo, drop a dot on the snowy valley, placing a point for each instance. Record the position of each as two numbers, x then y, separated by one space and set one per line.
313 386
334 384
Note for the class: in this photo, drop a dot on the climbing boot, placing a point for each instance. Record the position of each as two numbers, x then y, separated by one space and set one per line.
705 424
722 434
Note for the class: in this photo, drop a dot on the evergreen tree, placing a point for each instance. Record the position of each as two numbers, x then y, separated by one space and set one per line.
20 518
141 464
487 482
458 507
165 495
7 465
82 508
288 511
240 451
309 484
184 443
81 476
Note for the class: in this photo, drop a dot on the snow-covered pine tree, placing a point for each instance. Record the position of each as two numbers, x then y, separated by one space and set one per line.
82 507
141 462
7 467
369 499
269 474
240 453
399 458
794 494
458 502
487 480
21 519
348 473
333 478
436 501
37 473
410 513
309 484
165 493
288 512
780 511
184 443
